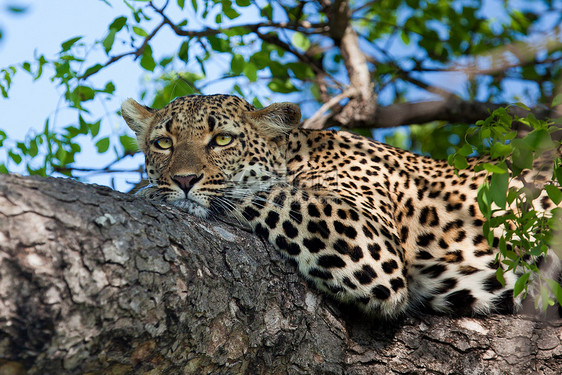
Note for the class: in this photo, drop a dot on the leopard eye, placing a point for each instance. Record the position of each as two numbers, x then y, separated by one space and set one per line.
223 140
163 143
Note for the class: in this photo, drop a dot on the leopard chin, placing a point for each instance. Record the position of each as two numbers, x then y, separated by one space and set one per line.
192 208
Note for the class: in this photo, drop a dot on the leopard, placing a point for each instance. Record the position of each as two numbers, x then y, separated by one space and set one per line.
371 225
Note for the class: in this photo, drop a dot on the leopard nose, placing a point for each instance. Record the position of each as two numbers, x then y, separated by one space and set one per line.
186 182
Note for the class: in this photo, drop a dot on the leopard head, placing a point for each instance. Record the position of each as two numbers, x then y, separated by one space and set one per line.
204 152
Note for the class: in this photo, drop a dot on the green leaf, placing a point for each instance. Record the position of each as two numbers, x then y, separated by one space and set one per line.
484 202
460 162
301 41
554 194
465 150
118 23
498 188
182 53
140 31
237 64
267 11
181 3
558 174
281 86
108 41
129 144
147 61
405 37
499 276
493 168
65 46
499 149
522 155
33 150
243 3
83 93
92 70
109 88
15 157
228 10
102 145
95 128
538 139
251 72
520 284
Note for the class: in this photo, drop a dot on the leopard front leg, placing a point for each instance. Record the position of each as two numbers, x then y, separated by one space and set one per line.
346 252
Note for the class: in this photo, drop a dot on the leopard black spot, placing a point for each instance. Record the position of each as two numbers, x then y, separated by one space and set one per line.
389 266
397 283
425 239
434 271
342 214
461 235
468 270
492 284
367 232
453 257
250 214
390 248
363 277
356 253
461 301
374 250
331 261
350 232
319 227
443 244
446 286
504 303
314 244
339 227
261 231
348 283
272 219
423 255
403 234
380 292
290 230
313 210
295 213
324 275
290 247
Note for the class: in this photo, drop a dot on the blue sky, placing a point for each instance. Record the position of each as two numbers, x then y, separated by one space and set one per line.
40 30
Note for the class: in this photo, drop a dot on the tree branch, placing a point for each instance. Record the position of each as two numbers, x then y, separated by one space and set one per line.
95 281
452 110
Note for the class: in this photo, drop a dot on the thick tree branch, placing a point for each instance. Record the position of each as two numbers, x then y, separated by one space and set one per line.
362 101
95 281
452 110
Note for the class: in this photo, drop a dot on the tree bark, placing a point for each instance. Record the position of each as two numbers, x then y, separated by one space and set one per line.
99 282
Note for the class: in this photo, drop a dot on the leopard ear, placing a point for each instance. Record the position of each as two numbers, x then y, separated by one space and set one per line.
276 119
137 116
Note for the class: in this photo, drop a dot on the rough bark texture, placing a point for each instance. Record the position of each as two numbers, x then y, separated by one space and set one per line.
94 281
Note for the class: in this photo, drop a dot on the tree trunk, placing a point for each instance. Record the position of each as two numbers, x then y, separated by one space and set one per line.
99 282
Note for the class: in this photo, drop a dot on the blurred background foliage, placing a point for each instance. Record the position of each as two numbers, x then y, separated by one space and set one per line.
484 51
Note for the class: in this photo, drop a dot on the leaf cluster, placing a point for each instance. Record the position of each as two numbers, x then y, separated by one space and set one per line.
513 197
